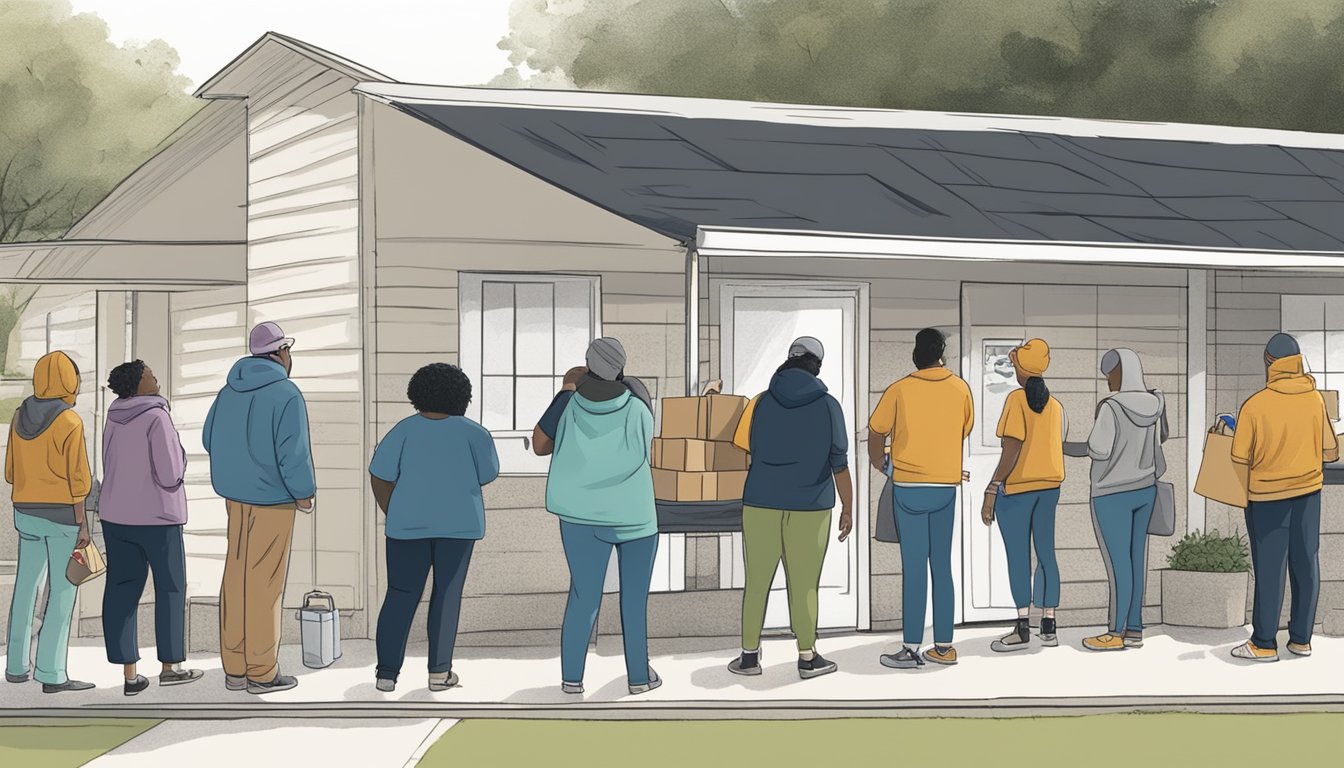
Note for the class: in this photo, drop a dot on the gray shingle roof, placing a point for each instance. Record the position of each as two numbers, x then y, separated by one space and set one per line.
673 174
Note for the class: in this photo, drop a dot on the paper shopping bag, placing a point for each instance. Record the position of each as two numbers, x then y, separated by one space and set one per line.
1221 479
86 564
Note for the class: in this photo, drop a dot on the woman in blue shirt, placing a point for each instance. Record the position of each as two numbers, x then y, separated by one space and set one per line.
427 475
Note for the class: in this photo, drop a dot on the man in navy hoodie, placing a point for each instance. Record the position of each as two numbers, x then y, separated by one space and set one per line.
261 462
799 447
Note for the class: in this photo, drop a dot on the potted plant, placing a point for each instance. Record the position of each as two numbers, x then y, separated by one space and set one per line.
1206 581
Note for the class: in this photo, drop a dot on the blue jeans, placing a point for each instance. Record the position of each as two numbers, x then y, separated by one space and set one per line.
132 552
44 552
1027 519
925 517
1285 541
408 565
1121 520
588 550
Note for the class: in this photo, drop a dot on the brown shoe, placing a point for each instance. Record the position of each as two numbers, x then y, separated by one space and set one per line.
1299 649
945 656
1105 642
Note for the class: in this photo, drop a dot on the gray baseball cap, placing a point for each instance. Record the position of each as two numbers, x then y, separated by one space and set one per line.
806 345
606 358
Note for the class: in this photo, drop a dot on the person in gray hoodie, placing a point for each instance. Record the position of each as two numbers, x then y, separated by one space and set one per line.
1126 451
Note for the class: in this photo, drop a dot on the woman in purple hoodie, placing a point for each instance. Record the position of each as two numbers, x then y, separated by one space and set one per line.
143 507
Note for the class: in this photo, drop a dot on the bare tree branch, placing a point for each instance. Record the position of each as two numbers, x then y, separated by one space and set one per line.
806 48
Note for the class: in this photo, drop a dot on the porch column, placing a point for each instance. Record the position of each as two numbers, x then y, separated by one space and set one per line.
692 321
1196 392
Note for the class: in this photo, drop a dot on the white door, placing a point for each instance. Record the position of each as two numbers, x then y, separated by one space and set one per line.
758 324
984 590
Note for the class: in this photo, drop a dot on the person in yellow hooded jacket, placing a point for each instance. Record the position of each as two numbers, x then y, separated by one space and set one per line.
46 462
1284 438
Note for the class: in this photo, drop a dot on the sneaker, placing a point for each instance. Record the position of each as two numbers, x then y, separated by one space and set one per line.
180 676
1049 637
1299 649
16 678
1105 642
132 687
386 684
815 666
1017 640
946 655
235 682
278 683
571 688
1252 652
746 664
654 682
68 686
1133 639
442 682
905 658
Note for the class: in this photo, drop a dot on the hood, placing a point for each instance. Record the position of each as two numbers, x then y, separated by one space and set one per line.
55 376
605 406
1288 376
1142 407
36 414
123 409
599 390
253 373
936 373
794 388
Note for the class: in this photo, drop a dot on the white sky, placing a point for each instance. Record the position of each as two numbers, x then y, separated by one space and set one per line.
449 42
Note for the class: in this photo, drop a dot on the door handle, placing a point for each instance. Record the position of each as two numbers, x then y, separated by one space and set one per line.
527 443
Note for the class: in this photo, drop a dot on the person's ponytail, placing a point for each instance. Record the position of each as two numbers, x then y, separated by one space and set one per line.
1038 394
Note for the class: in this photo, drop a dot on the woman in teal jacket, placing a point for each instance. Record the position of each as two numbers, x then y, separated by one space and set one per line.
601 487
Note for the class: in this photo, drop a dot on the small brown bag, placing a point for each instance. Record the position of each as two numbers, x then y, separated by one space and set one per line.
86 564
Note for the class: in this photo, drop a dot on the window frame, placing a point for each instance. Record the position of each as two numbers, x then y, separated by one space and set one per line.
1319 368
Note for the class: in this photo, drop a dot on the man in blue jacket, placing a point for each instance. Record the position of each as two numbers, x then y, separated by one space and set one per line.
262 464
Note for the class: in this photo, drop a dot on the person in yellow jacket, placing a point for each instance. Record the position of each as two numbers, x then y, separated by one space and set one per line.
1284 438
46 462
928 416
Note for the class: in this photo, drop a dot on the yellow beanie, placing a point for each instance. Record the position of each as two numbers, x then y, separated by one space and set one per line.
1032 358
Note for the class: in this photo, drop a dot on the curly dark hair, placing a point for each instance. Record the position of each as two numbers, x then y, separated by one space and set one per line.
125 378
440 388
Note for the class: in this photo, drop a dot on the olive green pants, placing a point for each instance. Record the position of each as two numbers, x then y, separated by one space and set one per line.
799 539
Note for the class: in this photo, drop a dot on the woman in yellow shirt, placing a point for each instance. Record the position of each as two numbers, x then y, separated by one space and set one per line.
1024 493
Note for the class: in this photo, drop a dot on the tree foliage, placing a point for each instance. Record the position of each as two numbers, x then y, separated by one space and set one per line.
77 113
1266 63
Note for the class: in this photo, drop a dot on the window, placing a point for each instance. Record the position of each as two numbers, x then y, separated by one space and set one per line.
1317 322
520 333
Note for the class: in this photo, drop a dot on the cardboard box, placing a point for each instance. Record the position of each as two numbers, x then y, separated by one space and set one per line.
710 417
684 455
1220 478
1331 398
670 485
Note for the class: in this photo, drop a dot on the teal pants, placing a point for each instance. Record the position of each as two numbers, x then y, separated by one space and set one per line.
44 551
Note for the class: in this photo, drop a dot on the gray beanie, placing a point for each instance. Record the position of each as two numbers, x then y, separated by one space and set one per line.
606 358
1282 345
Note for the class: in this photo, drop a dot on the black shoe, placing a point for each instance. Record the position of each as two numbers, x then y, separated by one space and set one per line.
16 678
132 687
1017 640
1049 638
746 664
68 686
180 676
815 666
280 683
906 658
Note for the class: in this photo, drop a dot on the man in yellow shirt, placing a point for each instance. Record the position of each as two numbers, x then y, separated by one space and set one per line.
1284 438
928 416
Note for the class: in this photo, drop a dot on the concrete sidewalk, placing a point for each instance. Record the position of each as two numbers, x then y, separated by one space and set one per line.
1185 669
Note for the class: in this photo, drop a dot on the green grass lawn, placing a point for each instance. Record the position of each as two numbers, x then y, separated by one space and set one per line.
64 743
1095 741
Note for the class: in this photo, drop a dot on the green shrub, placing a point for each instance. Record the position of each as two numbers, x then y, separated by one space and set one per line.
1210 552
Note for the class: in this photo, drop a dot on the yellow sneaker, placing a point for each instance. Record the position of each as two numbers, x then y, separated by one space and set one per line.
1105 642
1252 652
945 656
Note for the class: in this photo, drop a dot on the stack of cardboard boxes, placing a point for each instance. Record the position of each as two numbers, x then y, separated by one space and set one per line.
694 458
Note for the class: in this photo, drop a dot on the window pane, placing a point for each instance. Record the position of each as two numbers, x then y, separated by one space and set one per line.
1334 351
1303 313
536 324
497 329
534 395
497 403
573 323
1313 349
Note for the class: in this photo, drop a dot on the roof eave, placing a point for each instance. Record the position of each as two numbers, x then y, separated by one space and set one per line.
354 70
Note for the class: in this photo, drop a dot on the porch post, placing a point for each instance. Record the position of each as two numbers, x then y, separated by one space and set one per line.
692 321
1196 367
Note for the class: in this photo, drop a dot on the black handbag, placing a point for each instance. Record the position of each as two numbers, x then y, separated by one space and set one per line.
887 530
